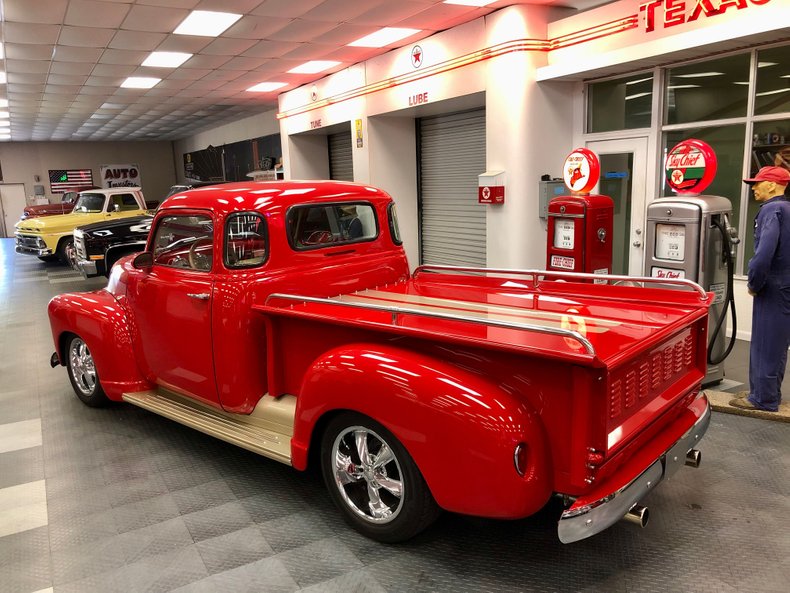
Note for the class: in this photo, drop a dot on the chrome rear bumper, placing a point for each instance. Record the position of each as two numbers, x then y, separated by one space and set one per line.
581 521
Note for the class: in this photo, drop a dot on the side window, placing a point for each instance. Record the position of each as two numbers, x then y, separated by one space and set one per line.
392 218
122 202
246 244
184 242
321 225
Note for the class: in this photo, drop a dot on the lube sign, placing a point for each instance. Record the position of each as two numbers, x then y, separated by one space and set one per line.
678 12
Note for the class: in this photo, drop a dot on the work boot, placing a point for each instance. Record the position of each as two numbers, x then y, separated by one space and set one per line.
743 403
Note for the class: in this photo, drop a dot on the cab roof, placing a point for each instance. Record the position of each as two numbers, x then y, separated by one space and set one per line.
271 196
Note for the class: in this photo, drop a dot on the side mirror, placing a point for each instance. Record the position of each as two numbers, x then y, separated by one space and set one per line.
143 261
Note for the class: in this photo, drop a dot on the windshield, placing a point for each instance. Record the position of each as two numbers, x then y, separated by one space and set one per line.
90 203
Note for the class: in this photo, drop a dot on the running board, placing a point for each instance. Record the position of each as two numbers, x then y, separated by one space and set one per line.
267 431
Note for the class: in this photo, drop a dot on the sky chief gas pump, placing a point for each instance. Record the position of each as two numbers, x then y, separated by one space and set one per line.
580 225
689 236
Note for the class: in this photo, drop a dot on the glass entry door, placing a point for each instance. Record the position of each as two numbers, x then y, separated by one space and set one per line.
623 178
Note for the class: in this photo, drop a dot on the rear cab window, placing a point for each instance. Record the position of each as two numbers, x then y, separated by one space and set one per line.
313 226
246 242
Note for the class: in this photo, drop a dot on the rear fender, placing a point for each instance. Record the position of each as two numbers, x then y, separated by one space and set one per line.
460 427
104 325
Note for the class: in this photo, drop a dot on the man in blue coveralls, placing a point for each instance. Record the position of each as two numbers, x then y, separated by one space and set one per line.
769 284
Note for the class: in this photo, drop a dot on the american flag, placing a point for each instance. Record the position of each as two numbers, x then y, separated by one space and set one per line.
63 180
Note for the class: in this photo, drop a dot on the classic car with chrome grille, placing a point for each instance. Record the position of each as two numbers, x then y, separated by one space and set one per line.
51 237
283 317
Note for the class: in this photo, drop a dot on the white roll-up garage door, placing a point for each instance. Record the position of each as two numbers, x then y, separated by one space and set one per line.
452 155
341 164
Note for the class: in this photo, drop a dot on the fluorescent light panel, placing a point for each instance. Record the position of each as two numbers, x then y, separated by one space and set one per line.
638 81
682 86
699 75
313 67
384 37
140 82
3 102
206 23
637 96
2 78
166 59
266 87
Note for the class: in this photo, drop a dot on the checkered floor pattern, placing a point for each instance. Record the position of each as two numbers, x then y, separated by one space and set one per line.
118 499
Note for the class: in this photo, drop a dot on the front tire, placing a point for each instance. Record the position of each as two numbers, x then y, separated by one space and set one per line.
374 481
82 374
65 251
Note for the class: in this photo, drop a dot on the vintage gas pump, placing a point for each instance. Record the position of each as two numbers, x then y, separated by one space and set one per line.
580 224
689 236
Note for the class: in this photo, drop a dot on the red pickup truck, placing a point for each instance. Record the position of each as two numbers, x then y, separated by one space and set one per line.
282 317
64 206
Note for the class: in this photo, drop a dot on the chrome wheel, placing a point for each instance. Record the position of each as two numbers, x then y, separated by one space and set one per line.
367 475
83 371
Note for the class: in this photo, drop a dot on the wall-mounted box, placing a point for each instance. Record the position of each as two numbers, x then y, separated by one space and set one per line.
548 190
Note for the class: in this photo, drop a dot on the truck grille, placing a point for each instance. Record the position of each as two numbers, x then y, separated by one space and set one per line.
29 241
79 247
638 383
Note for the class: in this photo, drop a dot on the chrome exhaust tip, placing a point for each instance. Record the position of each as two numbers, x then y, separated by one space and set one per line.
638 515
693 458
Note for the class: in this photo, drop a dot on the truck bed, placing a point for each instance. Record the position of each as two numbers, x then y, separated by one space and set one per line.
526 311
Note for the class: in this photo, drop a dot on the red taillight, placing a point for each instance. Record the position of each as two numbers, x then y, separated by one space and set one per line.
520 458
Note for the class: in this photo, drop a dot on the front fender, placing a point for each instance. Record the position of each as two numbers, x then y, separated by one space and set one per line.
104 325
460 427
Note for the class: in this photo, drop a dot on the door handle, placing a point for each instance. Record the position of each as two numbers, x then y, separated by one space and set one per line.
637 243
201 296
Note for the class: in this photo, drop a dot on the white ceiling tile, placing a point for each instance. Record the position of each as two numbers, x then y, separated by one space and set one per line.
154 18
206 85
309 51
85 37
70 68
115 70
339 11
77 54
225 75
66 79
37 11
190 44
104 81
26 33
26 66
27 78
243 64
96 14
136 40
23 51
301 30
285 8
170 3
227 47
188 73
256 27
345 34
174 84
233 6
205 62
390 14
352 55
270 49
20 89
64 88
442 16
104 91
122 56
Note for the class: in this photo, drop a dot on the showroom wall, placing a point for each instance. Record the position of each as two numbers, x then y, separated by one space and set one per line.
255 126
22 161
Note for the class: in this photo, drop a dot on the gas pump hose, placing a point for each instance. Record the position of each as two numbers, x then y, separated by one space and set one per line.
729 300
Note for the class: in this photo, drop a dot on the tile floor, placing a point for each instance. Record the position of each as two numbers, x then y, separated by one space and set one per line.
119 499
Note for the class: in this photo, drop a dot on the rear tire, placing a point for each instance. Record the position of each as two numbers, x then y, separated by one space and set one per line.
374 481
82 374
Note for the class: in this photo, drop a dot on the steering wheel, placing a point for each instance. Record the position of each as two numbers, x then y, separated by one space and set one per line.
317 237
194 257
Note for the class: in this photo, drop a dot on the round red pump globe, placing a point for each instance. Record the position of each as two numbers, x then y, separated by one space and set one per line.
690 167
581 171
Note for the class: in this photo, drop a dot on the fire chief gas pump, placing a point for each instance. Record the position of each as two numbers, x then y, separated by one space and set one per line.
689 236
580 225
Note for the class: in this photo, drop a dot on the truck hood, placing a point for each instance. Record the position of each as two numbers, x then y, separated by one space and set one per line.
116 223
54 224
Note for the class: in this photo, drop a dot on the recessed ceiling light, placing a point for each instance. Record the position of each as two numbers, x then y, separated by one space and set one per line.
206 23
140 82
4 115
774 92
266 87
682 86
470 2
384 37
765 64
313 67
3 102
2 78
637 95
166 59
2 50
638 81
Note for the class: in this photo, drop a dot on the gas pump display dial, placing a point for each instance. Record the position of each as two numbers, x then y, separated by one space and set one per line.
563 233
671 242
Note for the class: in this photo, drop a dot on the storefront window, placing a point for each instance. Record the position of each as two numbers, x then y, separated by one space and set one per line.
770 147
715 89
621 104
727 142
772 94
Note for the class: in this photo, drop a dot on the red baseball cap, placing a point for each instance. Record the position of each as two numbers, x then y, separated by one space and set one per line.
779 175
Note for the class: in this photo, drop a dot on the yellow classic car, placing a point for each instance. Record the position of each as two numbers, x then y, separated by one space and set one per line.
51 237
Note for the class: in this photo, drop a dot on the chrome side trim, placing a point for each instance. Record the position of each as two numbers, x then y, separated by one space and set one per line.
266 431
582 521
